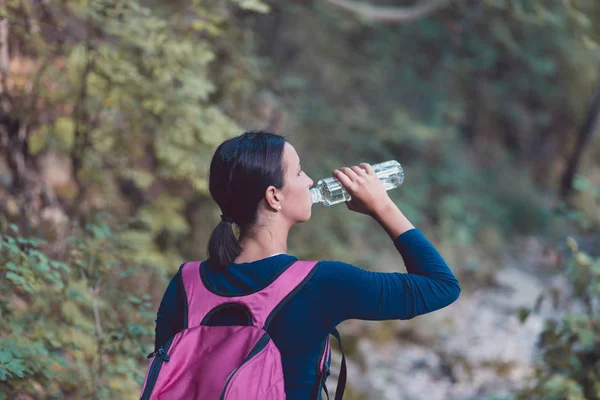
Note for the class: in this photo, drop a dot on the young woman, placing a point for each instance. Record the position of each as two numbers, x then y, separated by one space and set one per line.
258 182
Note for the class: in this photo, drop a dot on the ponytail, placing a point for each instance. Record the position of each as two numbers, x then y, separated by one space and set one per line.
223 246
241 170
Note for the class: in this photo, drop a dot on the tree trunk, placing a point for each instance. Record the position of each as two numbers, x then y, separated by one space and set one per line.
585 134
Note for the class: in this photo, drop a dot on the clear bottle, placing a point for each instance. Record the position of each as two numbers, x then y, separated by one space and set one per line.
330 191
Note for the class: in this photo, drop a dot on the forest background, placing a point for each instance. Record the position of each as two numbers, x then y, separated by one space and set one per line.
110 111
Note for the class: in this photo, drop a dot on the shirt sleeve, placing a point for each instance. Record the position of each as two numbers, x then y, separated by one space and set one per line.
354 293
170 318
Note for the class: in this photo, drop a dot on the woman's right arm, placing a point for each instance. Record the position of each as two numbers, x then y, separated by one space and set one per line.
353 292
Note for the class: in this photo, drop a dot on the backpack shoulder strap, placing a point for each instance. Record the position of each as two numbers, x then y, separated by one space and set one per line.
300 274
341 384
262 305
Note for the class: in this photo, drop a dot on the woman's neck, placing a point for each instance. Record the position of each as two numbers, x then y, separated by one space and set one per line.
262 245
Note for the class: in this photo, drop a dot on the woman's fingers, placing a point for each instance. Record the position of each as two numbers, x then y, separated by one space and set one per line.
342 177
353 176
362 184
359 171
367 167
350 173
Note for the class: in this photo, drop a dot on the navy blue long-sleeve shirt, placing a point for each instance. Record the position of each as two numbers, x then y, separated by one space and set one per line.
336 292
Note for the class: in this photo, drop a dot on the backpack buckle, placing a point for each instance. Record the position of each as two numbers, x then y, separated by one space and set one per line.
161 353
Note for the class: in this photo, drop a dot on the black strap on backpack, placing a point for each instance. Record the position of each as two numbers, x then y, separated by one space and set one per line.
341 385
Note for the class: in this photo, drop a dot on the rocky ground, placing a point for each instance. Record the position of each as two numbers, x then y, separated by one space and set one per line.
474 349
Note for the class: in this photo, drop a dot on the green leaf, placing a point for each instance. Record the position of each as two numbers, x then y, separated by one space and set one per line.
11 266
42 267
5 357
582 183
253 5
64 129
60 265
14 278
16 368
523 313
142 178
61 361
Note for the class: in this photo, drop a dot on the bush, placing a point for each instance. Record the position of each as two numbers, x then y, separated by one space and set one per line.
75 315
569 368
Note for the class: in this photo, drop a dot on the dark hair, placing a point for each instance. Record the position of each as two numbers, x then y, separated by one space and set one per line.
241 170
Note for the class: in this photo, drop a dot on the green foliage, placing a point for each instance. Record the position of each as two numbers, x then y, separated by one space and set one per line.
139 95
152 81
135 95
584 212
467 100
75 323
569 368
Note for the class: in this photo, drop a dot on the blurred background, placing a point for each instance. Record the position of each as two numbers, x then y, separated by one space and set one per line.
110 111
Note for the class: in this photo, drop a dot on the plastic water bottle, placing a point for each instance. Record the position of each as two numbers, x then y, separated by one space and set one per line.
330 191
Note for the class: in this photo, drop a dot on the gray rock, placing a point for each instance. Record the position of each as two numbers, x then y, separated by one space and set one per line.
480 348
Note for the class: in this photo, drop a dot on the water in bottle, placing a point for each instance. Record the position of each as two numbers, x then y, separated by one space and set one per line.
330 191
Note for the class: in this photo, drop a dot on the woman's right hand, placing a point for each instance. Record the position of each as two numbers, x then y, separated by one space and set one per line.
367 191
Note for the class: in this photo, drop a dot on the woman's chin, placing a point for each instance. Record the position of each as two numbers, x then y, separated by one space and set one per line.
306 218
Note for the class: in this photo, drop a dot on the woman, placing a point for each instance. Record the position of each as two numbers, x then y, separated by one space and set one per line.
257 181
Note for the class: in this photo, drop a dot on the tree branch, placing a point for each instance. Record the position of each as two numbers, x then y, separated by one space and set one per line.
4 54
99 340
81 139
396 14
584 135
34 92
75 28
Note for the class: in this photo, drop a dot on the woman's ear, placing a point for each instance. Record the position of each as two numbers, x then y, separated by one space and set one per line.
273 198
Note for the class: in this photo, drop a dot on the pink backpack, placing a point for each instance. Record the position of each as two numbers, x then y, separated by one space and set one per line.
207 362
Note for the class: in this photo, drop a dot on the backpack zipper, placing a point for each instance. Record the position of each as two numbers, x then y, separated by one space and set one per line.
160 356
258 347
